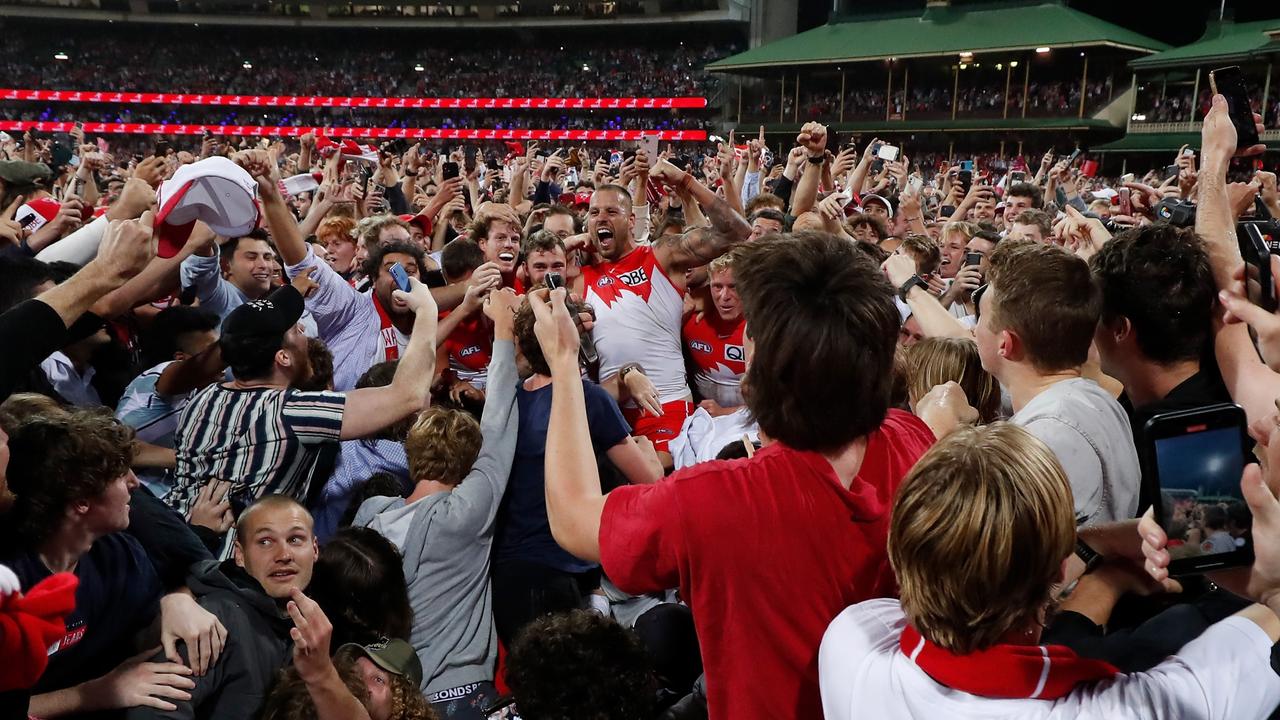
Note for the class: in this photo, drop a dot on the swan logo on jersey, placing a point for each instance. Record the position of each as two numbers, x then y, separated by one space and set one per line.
734 353
634 277
700 346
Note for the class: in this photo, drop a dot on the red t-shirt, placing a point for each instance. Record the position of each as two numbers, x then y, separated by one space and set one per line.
766 552
470 347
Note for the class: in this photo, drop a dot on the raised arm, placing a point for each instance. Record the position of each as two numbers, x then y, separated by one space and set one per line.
368 410
476 500
126 249
284 229
1250 383
699 246
934 319
574 499
813 138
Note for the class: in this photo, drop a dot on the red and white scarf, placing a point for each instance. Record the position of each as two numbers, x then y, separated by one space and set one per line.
390 336
1044 672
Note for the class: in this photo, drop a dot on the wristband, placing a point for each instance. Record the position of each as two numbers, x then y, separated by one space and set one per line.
818 159
1091 558
913 281
411 174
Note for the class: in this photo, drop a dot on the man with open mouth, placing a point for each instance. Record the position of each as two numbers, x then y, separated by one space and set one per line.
637 293
497 232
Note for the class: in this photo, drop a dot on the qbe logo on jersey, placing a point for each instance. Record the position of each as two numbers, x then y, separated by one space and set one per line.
634 278
734 353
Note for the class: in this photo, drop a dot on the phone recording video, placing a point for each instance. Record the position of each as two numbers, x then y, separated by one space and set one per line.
450 170
1229 82
400 276
1194 461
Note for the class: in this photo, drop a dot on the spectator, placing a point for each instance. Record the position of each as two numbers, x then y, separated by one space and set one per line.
767 672
975 594
445 530
1039 362
937 361
359 582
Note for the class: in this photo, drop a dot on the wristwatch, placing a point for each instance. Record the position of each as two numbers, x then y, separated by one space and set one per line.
627 369
1091 558
913 281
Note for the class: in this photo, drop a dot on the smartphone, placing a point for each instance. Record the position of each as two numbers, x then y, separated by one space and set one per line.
493 164
966 166
1229 82
450 170
1126 202
1072 157
965 178
1017 176
586 348
469 159
972 258
34 133
888 153
400 276
1126 178
649 144
162 149
1171 170
1194 459
396 147
1259 284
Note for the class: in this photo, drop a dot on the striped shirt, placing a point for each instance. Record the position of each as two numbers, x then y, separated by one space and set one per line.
155 418
264 440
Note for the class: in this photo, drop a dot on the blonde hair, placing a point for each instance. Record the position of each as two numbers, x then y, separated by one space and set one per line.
967 229
21 406
442 445
978 533
720 264
938 360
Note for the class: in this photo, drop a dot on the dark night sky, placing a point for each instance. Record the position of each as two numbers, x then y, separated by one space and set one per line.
1176 23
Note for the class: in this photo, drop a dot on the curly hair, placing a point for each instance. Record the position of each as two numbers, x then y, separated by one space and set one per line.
377 252
442 445
527 341
338 228
580 665
359 582
289 698
321 377
57 460
407 702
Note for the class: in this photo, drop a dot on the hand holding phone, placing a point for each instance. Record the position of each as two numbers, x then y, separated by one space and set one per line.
400 276
586 346
1193 460
1229 83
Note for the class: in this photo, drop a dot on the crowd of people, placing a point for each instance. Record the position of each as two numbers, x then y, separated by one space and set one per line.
264 62
362 118
1044 99
630 432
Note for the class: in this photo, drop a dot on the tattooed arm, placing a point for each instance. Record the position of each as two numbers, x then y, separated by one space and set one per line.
698 246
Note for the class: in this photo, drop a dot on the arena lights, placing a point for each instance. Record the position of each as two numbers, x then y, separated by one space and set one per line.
353 132
391 103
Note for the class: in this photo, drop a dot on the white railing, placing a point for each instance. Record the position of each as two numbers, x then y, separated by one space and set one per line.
1136 127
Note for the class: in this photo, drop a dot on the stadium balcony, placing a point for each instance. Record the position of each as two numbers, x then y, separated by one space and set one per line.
472 13
998 73
1173 90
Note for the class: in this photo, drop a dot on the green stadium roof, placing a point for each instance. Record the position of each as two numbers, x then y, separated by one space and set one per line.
944 30
1221 42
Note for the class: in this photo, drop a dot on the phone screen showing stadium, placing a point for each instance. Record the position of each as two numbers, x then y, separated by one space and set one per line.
1205 513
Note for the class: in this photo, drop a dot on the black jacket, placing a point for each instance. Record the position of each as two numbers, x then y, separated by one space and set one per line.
257 647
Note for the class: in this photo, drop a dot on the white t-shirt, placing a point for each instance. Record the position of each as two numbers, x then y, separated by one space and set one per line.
1225 674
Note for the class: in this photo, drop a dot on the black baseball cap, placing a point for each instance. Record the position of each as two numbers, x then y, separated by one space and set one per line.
272 316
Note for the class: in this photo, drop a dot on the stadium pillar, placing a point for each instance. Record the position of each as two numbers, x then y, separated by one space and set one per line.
1195 97
1026 85
888 95
955 89
1164 86
1001 156
739 100
1008 78
842 73
951 151
906 79
782 97
1133 102
1084 84
1266 90
796 110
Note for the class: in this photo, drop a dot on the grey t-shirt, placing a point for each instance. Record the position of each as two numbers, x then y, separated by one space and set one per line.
1089 432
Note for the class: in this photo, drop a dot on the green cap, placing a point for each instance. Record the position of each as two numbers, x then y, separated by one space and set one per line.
21 174
395 656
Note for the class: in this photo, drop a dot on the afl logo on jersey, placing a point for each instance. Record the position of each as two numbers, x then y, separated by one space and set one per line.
604 281
734 353
699 346
469 351
634 278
